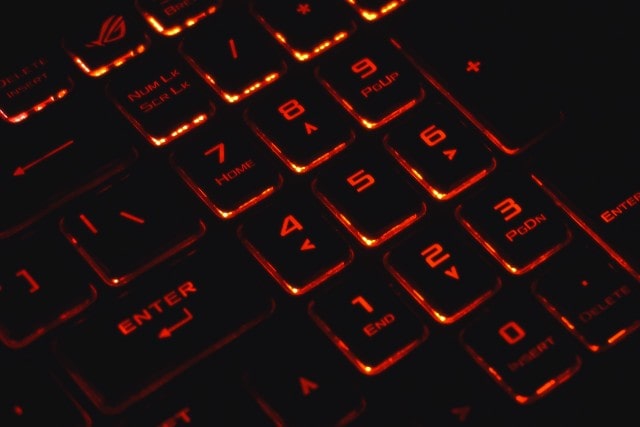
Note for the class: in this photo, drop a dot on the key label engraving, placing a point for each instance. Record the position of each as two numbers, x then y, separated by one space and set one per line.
359 300
307 386
432 135
234 50
166 81
291 109
508 208
361 180
511 332
231 174
473 66
528 225
131 217
33 285
180 417
87 223
532 354
168 331
303 8
307 245
370 329
607 302
364 68
218 148
289 225
435 255
611 214
380 84
157 307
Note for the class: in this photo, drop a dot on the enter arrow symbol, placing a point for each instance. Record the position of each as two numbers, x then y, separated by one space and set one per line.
21 170
169 330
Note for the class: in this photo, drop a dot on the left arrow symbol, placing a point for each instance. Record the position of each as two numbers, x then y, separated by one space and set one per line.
21 170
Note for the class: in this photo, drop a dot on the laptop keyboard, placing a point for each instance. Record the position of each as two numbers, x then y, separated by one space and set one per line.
320 213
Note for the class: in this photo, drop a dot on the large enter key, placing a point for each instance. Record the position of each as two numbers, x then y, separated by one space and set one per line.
171 320
595 181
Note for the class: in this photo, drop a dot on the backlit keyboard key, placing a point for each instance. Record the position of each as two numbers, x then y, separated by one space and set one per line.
372 81
61 161
506 92
371 199
605 205
522 348
234 60
301 124
214 402
174 318
171 17
442 272
106 39
43 284
516 222
29 85
441 149
594 299
302 379
305 29
368 322
227 171
163 97
133 224
299 247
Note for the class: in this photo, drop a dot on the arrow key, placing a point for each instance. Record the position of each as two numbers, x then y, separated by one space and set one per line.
293 389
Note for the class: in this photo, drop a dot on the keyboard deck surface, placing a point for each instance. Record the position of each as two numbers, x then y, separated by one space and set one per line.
320 213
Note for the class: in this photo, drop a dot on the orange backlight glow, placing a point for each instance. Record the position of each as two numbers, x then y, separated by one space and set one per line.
100 71
235 97
318 49
160 141
176 29
38 107
296 289
372 15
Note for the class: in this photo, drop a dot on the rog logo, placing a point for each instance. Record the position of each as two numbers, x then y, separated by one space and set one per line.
113 28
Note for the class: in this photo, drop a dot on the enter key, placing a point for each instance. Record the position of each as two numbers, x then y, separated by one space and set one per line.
594 179
170 321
